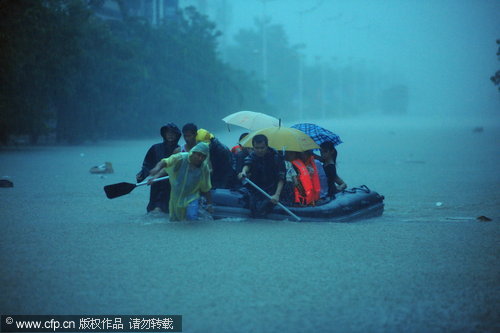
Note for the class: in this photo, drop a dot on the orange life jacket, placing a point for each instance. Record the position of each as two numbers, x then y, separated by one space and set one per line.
310 184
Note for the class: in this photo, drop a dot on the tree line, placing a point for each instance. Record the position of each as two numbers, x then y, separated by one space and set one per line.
65 71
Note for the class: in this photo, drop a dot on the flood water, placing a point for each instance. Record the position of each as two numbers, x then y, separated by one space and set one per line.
426 265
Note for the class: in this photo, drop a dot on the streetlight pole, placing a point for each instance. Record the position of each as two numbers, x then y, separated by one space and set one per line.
264 46
301 58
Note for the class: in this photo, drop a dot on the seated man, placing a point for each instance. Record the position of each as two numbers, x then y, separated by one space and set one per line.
329 156
266 168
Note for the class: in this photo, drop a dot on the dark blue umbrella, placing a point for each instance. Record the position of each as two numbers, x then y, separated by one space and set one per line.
318 133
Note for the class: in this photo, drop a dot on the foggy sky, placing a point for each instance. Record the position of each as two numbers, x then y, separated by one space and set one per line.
445 50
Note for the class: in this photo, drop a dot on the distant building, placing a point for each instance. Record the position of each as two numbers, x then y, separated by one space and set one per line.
155 11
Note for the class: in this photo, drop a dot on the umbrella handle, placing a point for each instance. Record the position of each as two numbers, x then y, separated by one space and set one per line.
269 197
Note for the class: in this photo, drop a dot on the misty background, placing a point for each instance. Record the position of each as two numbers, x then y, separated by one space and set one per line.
81 70
392 78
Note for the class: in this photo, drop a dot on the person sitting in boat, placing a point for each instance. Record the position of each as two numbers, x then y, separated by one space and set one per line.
189 177
189 132
160 191
236 149
323 179
239 157
266 168
220 160
291 182
307 192
329 156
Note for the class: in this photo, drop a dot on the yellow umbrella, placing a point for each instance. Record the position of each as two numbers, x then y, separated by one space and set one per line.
283 138
251 120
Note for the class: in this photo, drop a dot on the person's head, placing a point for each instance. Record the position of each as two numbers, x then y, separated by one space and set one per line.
170 133
198 154
291 155
189 133
328 151
242 136
306 155
260 144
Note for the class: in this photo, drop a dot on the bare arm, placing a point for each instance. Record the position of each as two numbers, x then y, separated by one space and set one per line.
244 172
276 197
208 196
157 171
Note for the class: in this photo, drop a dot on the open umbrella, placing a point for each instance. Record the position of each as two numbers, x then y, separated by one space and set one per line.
285 138
318 133
251 120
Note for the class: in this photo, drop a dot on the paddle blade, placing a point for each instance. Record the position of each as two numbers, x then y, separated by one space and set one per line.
117 190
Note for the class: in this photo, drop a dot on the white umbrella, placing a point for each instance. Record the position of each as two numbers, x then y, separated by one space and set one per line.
251 120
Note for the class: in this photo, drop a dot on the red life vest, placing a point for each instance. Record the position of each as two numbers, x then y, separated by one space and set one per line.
310 184
315 179
236 149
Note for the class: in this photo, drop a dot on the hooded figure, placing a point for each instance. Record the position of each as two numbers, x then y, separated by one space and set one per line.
160 191
189 177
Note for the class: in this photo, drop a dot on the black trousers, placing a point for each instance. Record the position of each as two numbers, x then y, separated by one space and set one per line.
260 206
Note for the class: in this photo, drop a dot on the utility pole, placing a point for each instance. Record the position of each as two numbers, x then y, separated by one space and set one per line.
264 46
301 58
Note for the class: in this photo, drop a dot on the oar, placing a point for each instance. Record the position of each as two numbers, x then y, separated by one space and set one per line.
117 190
246 180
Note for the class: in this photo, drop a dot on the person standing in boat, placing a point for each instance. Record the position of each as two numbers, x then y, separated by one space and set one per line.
160 191
329 156
189 178
266 168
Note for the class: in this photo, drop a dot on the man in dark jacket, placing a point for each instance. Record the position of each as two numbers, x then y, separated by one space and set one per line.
160 191
221 159
266 168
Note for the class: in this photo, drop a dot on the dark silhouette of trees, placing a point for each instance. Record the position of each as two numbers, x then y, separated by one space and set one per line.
66 71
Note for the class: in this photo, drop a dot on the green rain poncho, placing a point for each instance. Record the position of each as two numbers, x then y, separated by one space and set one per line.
186 180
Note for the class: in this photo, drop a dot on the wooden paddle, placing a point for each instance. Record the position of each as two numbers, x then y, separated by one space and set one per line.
119 189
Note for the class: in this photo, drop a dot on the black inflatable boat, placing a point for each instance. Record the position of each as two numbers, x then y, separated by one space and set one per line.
354 204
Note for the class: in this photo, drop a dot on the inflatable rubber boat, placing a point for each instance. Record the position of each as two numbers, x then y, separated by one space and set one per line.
349 205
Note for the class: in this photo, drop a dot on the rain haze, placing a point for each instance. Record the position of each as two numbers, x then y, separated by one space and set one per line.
444 51
406 87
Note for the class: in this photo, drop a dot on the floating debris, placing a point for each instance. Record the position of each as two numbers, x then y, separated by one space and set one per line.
483 218
439 204
478 129
107 167
6 183
82 155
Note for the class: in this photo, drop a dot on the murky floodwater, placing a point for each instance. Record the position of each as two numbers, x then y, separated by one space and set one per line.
67 249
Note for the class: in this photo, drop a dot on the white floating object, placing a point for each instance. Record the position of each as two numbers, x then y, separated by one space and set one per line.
439 204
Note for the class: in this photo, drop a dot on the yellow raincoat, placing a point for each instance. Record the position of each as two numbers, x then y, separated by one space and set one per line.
186 180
